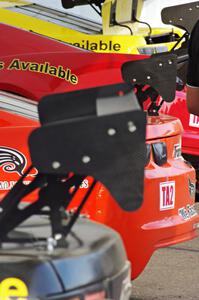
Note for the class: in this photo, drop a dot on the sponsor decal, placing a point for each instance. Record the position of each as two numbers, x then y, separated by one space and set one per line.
177 152
12 161
192 188
8 185
98 45
85 184
13 288
113 44
2 65
194 121
42 68
187 212
167 195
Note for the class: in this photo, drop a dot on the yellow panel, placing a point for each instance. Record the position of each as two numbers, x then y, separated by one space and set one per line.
123 13
116 42
39 26
113 43
124 9
10 3
108 44
106 9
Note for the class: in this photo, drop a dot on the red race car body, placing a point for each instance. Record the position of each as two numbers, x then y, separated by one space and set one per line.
35 66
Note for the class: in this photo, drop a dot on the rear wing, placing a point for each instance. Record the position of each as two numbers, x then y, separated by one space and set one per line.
159 72
183 16
95 132
160 75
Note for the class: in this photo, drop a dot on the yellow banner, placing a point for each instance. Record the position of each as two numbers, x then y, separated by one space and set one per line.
116 44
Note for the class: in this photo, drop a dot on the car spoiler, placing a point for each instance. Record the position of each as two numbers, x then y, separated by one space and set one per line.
94 132
97 132
159 72
183 16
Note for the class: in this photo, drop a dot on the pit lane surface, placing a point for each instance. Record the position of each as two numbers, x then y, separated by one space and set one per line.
172 273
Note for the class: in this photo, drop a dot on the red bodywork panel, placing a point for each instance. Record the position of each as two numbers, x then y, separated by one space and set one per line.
160 221
190 123
91 69
190 140
178 108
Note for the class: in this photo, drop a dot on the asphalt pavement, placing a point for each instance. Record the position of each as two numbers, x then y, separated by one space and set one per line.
172 273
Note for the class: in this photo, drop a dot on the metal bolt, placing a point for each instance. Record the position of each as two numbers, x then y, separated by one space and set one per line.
111 131
131 126
51 244
56 165
86 159
46 208
58 236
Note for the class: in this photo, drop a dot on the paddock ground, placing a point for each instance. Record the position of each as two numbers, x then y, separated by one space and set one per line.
172 273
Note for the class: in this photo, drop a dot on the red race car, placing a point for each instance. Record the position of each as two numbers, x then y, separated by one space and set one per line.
36 66
184 16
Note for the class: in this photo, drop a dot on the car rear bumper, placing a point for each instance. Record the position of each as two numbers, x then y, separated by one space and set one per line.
149 228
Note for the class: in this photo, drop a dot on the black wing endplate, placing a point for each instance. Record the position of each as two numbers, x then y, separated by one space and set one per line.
159 71
183 16
97 132
84 133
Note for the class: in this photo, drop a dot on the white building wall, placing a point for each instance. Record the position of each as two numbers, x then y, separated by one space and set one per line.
152 9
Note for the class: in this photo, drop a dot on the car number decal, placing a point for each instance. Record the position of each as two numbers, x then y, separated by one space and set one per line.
167 195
